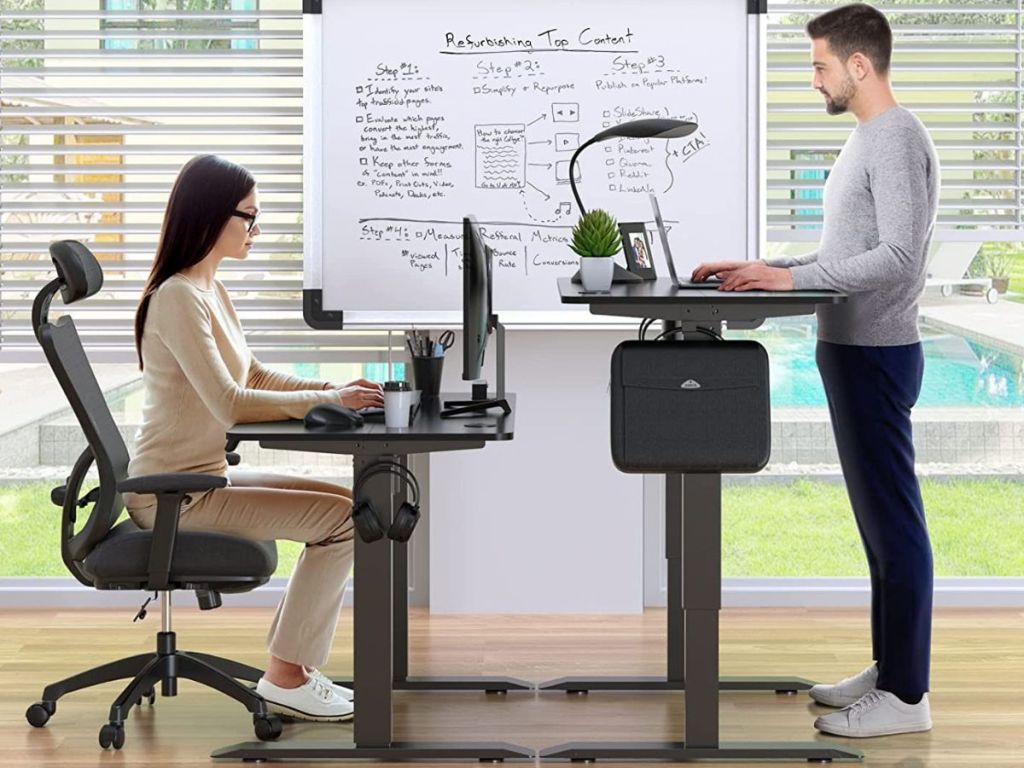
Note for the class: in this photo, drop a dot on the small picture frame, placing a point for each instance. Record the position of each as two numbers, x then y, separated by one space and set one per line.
636 246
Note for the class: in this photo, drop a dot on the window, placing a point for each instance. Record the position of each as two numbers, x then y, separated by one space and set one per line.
142 29
101 102
956 67
93 136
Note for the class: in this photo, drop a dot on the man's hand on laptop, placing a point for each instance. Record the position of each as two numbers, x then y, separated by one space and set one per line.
720 269
757 276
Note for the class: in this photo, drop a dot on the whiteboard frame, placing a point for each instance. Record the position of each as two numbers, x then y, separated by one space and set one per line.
328 318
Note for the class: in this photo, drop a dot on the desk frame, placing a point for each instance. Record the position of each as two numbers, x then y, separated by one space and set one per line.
694 552
375 626
677 497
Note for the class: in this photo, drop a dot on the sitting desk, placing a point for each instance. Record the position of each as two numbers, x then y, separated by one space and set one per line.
381 597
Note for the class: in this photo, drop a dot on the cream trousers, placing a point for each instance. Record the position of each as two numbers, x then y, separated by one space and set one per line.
264 506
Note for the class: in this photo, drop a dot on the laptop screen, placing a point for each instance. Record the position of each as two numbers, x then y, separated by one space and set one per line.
664 237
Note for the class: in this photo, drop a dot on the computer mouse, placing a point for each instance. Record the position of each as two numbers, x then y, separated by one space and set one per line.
333 415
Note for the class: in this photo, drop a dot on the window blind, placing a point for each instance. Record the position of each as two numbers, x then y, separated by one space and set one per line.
956 65
101 103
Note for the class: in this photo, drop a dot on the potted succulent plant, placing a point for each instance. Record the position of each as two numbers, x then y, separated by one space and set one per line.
596 239
999 270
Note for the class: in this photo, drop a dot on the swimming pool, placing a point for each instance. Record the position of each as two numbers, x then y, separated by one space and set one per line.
958 372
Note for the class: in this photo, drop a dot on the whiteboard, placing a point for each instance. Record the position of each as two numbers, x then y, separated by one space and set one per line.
418 114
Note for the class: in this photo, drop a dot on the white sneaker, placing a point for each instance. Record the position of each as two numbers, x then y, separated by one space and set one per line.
846 691
313 700
346 693
877 713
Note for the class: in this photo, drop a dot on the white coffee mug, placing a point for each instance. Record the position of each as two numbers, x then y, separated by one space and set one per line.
398 402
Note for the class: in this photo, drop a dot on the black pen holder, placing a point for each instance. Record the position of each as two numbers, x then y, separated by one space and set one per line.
426 375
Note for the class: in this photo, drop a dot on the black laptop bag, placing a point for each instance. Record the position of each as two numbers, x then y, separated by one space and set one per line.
690 407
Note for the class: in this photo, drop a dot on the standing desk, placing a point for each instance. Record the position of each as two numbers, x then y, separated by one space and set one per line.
381 598
693 548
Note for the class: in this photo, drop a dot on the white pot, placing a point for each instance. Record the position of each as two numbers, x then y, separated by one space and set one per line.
596 272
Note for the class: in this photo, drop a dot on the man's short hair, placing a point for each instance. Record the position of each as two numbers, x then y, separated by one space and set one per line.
855 28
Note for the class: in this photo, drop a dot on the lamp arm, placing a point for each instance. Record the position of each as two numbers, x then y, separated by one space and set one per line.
572 171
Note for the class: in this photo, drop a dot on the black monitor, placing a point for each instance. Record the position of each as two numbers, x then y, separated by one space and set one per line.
478 321
477 260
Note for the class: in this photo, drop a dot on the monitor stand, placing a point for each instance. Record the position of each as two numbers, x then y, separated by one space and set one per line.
482 406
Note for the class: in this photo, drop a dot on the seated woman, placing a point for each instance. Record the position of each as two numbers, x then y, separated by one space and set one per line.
200 378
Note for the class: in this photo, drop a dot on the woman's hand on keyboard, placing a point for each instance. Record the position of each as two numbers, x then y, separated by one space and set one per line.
360 394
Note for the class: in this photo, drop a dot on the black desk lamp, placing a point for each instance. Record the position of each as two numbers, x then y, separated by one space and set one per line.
651 128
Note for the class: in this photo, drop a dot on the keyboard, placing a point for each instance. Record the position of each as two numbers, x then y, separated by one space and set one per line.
373 413
711 284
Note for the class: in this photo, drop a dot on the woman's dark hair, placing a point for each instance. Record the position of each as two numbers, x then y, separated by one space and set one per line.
852 28
206 192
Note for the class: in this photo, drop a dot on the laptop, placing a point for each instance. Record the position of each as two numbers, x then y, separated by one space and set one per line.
710 283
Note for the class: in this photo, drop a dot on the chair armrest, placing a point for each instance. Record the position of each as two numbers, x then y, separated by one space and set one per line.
175 482
171 491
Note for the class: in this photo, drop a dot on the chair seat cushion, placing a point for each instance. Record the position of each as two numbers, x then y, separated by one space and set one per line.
221 562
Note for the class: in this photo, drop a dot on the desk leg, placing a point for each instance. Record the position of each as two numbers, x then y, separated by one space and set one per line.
702 600
702 595
400 612
676 618
400 615
372 621
675 649
400 623
375 604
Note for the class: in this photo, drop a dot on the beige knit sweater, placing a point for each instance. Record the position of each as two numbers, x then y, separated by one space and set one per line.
199 378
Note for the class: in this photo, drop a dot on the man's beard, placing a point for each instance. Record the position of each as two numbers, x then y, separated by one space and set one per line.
840 102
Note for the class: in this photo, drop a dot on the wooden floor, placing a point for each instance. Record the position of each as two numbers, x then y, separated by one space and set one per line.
977 682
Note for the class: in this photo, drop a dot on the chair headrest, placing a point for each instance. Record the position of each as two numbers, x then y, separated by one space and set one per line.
77 268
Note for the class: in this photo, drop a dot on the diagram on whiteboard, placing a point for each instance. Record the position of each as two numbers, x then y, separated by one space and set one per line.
501 156
480 113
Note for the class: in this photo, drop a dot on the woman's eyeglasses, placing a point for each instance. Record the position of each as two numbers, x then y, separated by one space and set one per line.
250 217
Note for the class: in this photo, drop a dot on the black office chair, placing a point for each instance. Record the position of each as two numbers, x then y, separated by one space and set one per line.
103 555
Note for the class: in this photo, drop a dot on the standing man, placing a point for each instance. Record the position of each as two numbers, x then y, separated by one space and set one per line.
879 210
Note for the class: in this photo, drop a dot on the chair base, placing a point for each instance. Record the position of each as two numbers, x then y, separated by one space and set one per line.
165 667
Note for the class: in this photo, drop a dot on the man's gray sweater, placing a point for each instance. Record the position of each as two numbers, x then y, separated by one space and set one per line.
879 210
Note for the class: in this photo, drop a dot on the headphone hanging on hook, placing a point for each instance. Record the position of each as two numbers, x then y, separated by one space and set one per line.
365 517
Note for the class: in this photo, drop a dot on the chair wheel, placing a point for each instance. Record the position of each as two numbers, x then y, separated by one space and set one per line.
39 713
112 735
149 695
267 727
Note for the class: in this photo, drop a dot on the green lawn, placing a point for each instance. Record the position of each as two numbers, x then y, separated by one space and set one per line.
807 529
1017 277
803 529
1017 270
30 525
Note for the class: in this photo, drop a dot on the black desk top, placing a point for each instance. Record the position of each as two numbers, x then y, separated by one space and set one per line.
428 425
661 299
662 291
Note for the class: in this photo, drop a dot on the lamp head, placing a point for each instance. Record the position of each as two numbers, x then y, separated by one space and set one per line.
651 128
